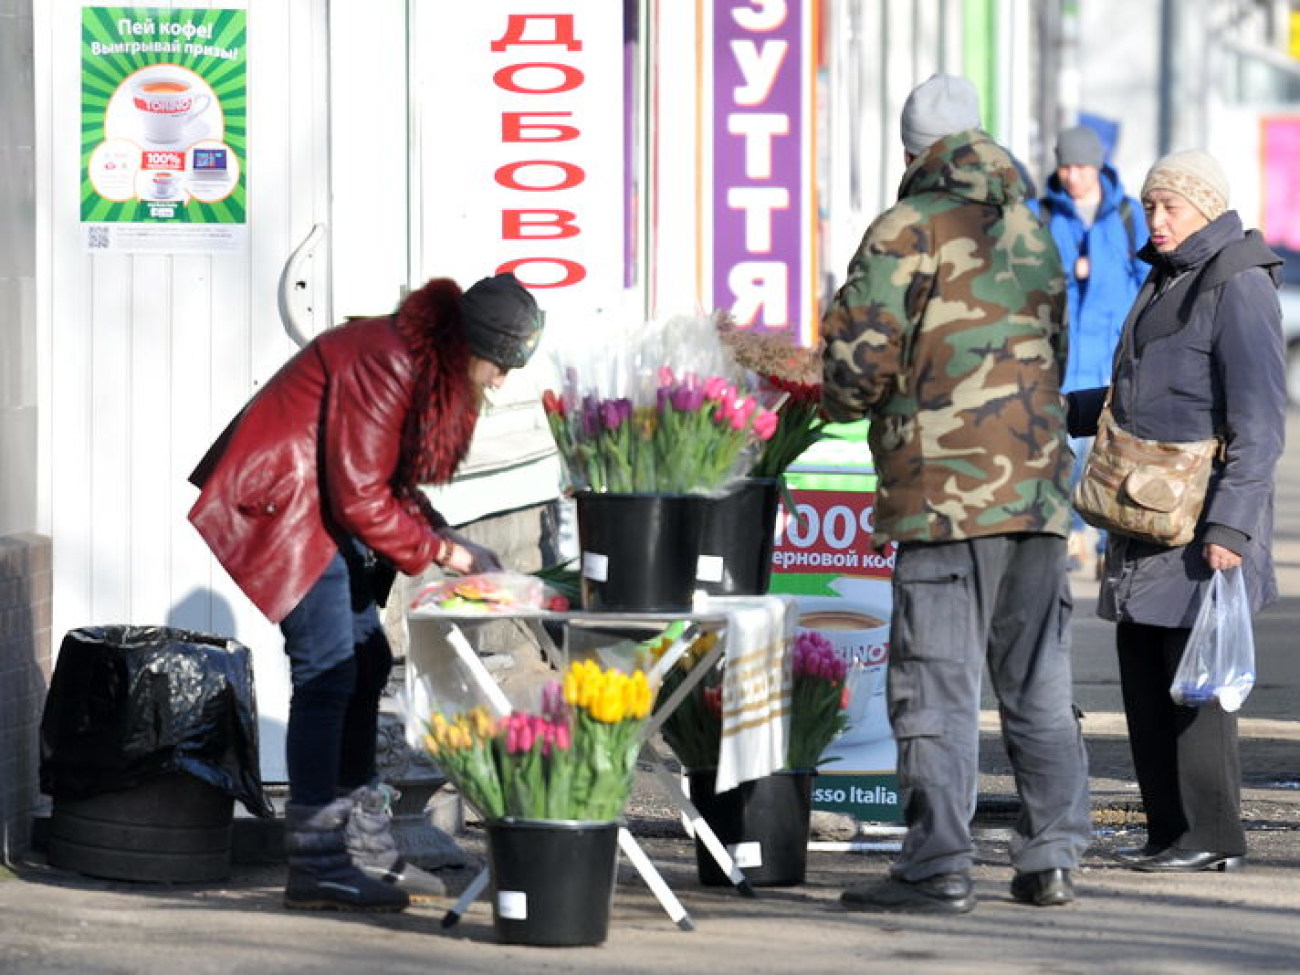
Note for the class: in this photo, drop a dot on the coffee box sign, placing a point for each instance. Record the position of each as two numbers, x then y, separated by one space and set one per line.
163 129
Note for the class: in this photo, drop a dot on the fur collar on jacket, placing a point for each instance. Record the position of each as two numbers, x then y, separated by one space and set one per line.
444 403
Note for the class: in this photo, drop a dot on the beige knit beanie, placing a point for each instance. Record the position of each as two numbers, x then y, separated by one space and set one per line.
1193 175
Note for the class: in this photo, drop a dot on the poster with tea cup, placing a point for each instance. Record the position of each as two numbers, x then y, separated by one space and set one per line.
163 128
824 556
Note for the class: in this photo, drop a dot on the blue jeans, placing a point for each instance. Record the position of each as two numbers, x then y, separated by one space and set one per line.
1001 602
339 664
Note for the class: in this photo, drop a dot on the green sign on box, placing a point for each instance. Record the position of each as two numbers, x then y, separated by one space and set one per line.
824 556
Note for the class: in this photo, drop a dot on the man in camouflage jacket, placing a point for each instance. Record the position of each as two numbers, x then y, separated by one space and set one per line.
949 335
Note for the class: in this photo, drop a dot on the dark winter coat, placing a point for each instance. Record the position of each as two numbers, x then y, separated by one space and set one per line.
1202 355
335 445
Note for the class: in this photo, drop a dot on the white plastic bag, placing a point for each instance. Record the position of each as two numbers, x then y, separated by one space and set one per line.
1219 660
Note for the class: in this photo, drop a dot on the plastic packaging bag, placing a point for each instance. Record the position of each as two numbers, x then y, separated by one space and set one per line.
1219 660
489 593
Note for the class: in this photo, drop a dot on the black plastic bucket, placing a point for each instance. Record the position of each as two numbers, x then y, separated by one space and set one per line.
639 551
552 880
737 540
172 829
763 823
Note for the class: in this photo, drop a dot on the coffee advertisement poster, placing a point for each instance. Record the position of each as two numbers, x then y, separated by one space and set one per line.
163 129
824 556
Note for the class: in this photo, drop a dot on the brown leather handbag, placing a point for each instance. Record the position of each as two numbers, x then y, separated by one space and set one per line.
1150 489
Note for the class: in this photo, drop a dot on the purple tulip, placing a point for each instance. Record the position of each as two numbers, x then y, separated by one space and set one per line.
688 399
590 416
610 414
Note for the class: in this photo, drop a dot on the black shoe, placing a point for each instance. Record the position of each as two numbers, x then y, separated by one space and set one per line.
1043 888
1174 860
945 893
1133 855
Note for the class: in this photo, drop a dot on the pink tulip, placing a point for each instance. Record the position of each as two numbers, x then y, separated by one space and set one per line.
765 425
714 386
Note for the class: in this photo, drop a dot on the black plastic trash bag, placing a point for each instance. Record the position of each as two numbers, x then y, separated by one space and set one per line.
130 703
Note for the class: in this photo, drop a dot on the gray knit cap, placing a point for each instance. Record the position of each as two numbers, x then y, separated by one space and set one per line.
1079 146
936 108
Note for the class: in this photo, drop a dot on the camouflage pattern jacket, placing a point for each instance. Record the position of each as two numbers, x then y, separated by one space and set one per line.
950 336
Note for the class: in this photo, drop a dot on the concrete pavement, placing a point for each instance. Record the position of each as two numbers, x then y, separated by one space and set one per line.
52 921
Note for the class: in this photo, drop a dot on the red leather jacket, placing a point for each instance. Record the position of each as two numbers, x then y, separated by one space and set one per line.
317 453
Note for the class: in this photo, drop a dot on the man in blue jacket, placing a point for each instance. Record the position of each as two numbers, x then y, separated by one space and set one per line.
1098 231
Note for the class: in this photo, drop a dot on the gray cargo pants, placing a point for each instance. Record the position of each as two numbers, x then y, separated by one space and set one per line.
1005 600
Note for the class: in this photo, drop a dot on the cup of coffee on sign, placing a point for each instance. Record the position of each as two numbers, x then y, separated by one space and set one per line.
166 104
164 184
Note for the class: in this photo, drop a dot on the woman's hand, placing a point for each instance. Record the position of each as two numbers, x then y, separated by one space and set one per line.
466 557
457 558
1219 557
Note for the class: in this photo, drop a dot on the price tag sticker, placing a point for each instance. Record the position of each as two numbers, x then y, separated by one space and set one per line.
748 854
709 568
595 566
512 904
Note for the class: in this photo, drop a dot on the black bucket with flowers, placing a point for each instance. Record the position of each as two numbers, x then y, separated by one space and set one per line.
763 822
551 787
650 430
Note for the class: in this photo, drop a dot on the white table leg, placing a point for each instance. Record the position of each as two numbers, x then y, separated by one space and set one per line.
471 894
667 899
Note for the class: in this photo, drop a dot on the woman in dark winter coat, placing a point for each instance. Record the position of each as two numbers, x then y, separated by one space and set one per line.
311 500
1201 356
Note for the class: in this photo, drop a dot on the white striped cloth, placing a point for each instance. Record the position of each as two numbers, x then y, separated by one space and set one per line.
756 685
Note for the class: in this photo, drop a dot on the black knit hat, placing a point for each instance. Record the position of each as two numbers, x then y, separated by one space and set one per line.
501 321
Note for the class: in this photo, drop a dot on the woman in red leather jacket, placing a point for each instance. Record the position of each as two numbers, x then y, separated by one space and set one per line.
310 499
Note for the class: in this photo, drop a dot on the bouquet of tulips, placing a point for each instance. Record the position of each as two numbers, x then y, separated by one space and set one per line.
573 760
663 410
820 699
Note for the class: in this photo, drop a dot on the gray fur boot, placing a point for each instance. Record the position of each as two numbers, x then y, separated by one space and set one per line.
374 851
322 876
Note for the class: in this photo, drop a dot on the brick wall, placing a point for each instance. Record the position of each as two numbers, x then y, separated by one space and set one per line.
25 663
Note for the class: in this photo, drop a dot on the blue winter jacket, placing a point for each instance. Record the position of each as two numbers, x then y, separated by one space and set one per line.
1098 306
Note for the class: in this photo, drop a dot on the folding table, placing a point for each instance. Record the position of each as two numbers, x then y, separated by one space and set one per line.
423 698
